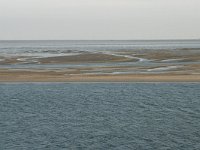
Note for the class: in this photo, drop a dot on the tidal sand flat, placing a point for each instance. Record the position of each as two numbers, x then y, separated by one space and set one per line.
99 61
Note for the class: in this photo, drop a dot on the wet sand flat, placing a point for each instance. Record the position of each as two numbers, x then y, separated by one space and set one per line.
107 66
84 58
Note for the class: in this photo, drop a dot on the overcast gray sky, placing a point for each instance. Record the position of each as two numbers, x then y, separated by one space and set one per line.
99 19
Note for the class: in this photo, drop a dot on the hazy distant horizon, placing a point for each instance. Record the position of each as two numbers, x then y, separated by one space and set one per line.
99 19
99 39
161 39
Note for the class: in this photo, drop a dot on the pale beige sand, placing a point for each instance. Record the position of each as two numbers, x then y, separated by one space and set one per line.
51 76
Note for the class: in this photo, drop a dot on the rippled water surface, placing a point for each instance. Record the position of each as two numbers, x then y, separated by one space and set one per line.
100 116
42 48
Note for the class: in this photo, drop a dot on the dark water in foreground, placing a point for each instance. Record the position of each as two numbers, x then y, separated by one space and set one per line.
100 116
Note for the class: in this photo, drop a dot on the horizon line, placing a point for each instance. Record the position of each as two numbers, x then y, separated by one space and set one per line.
97 39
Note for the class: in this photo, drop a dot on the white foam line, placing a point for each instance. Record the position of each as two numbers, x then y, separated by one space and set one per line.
108 73
42 55
141 59
122 72
163 68
39 55
22 59
126 56
168 60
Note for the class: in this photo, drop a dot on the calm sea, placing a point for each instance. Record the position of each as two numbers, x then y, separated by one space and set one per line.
116 116
14 47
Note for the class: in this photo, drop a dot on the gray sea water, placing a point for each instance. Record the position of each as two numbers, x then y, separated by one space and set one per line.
43 48
116 116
